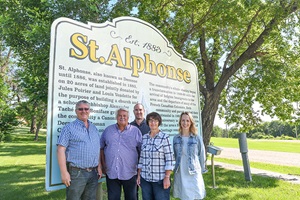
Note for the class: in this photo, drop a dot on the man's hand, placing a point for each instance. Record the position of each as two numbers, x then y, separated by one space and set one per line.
138 180
99 171
66 179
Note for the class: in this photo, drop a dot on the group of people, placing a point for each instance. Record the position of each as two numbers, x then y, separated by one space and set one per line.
131 155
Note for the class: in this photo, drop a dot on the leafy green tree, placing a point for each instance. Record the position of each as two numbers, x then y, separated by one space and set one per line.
25 27
278 128
258 135
217 131
234 132
260 128
244 50
8 121
7 115
287 129
274 128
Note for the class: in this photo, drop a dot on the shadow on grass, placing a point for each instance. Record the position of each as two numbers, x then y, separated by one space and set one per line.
28 137
23 144
227 181
15 150
25 182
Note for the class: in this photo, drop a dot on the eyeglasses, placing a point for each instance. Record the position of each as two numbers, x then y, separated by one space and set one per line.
81 109
153 121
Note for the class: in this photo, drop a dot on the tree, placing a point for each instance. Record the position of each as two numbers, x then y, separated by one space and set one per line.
244 50
7 115
217 131
234 132
25 27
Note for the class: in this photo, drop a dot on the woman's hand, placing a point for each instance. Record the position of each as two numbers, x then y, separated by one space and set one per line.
167 182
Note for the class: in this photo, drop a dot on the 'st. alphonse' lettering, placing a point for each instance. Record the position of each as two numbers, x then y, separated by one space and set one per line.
137 64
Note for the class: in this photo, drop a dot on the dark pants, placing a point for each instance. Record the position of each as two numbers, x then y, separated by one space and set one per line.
114 188
83 186
154 190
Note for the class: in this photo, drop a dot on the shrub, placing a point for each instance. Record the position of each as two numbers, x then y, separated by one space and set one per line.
258 135
285 137
269 137
7 122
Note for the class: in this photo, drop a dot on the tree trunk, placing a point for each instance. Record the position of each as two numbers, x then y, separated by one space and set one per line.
33 118
33 124
208 115
36 137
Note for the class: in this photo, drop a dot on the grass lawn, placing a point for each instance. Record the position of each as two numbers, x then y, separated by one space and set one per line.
22 176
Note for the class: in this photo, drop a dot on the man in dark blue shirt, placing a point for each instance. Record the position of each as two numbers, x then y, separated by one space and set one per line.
139 120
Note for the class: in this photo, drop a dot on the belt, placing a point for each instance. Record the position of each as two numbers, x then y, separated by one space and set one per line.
89 169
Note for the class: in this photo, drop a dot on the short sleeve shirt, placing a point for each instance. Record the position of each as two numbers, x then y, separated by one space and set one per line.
82 144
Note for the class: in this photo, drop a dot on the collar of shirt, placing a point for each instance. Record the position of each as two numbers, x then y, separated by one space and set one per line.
136 124
81 122
160 134
127 127
191 135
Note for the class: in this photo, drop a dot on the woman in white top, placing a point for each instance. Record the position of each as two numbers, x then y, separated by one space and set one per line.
189 155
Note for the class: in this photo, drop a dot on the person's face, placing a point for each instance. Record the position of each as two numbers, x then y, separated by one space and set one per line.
185 122
83 112
153 123
138 112
122 118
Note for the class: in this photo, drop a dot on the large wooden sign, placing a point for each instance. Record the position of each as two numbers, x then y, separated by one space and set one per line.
112 65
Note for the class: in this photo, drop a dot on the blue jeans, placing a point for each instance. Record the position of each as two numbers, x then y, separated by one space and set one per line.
114 188
154 190
83 186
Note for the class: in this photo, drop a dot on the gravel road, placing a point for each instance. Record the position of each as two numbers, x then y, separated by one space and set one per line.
272 157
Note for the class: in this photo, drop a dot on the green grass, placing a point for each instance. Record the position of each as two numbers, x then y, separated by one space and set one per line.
232 185
266 145
269 167
22 168
22 176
